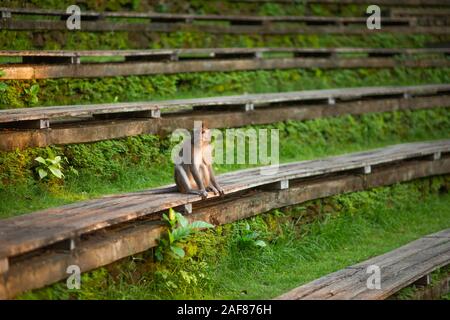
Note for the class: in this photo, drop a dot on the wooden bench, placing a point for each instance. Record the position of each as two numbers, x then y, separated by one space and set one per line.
42 126
410 264
63 64
36 248
218 24
27 117
383 3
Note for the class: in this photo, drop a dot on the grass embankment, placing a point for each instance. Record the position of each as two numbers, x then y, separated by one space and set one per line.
57 40
30 93
222 264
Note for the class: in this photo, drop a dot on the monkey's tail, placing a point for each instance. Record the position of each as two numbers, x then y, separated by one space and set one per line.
169 189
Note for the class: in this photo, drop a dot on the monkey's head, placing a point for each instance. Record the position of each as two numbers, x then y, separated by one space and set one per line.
202 134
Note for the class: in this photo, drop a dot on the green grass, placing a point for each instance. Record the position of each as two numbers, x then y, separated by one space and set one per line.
136 163
18 93
346 229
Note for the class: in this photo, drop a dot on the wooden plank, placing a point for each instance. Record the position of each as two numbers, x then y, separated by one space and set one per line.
29 232
347 27
4 266
105 130
247 102
360 2
139 67
175 18
103 248
212 52
399 268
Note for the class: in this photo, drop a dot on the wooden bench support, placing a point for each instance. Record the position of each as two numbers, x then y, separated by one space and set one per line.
231 107
249 107
184 209
331 100
27 124
239 55
279 185
367 169
152 57
125 115
4 265
381 54
65 245
424 281
50 60
437 156
6 15
314 54
248 23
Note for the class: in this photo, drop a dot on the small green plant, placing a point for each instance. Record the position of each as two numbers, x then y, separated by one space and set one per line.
32 93
3 85
179 230
249 238
49 166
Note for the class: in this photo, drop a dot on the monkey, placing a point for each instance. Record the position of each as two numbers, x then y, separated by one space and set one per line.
197 177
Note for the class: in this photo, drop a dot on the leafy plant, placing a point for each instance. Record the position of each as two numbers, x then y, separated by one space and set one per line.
178 232
3 85
49 166
249 238
32 93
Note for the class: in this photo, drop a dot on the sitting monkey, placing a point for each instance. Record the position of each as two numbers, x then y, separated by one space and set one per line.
196 176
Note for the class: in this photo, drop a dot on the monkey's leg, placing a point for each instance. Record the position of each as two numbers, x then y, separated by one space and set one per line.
198 179
212 189
184 186
214 183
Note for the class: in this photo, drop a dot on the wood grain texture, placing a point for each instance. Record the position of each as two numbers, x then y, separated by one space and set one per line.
158 22
142 62
81 130
54 112
399 268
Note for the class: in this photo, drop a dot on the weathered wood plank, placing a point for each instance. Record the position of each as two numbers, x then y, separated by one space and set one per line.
189 18
399 268
103 130
246 102
346 26
104 248
139 62
28 232
346 2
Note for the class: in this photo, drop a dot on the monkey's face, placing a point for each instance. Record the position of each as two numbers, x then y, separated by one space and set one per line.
206 134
